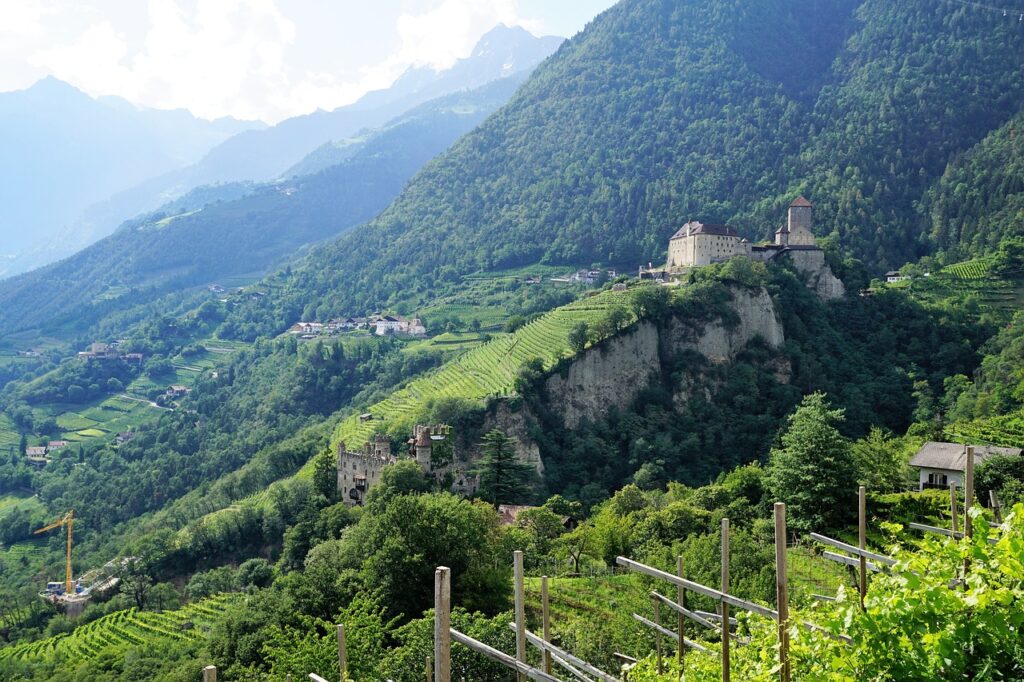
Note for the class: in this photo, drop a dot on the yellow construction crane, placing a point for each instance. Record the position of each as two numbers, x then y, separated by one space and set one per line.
69 521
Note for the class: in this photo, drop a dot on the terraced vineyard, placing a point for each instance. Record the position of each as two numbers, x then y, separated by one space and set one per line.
126 629
1006 430
9 437
972 269
488 370
971 280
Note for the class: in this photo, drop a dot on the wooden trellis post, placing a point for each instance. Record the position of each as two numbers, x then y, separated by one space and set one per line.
657 633
210 673
968 502
993 501
545 610
781 590
342 654
520 605
952 508
862 541
429 669
680 618
443 624
724 605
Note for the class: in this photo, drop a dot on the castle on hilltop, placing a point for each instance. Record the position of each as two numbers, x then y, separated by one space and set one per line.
432 447
697 244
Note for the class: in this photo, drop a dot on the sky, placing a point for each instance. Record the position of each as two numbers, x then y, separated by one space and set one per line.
254 59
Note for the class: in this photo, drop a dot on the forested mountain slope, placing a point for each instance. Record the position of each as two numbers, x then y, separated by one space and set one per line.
177 248
662 111
979 200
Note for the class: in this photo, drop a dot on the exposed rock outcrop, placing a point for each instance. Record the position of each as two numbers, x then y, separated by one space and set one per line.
820 277
516 425
614 372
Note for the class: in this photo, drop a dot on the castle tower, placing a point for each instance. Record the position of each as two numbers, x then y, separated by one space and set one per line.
381 446
423 447
799 225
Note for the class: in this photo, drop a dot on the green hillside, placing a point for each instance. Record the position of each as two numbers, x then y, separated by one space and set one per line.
662 111
120 631
213 241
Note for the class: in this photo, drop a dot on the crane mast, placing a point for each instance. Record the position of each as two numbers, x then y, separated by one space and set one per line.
69 521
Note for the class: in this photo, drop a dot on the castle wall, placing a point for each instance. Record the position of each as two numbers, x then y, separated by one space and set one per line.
703 249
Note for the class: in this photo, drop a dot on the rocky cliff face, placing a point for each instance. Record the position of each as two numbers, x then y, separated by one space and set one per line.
614 372
516 425
819 276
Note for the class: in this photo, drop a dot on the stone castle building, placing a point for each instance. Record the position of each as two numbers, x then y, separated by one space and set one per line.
697 244
432 447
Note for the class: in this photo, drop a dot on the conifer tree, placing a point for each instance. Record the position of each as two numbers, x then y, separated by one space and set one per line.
813 471
503 478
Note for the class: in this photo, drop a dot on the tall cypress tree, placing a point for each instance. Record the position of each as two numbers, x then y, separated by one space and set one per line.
503 478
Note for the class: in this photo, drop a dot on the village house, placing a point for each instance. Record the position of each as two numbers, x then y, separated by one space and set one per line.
99 351
177 391
124 437
36 455
940 464
894 276
390 324
56 445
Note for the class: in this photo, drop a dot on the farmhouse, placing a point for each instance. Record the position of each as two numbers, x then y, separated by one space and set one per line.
99 351
177 391
940 464
894 276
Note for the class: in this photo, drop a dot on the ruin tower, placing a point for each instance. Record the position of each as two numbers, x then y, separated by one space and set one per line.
799 226
381 446
423 447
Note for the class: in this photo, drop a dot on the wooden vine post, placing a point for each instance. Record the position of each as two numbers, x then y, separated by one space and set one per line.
429 669
724 606
342 655
952 508
545 610
862 541
993 501
968 502
781 591
210 673
520 605
657 632
680 618
443 624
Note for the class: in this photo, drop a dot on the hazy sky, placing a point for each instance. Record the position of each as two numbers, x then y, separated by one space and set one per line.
264 59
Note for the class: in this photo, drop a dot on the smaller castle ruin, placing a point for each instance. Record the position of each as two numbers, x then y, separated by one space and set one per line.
432 447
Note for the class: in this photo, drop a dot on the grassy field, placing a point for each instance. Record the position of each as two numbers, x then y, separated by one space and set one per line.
12 501
9 436
124 630
98 419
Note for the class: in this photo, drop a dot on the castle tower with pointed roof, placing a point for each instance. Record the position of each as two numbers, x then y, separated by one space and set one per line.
798 228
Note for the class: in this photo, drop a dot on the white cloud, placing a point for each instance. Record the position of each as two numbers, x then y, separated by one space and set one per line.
236 57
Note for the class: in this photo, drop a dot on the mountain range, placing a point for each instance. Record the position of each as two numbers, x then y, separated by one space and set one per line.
64 150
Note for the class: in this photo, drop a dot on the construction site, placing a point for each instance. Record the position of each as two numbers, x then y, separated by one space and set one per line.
71 595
